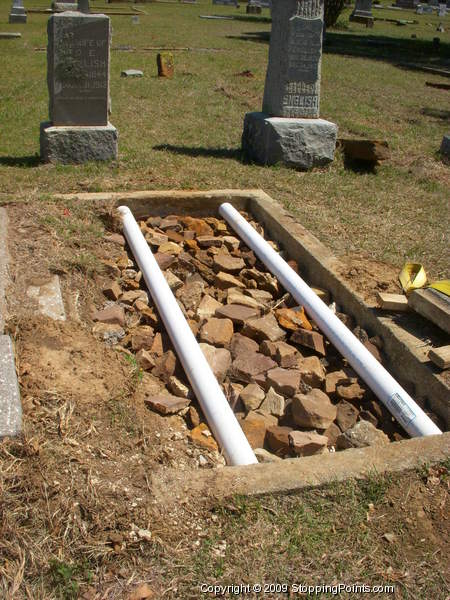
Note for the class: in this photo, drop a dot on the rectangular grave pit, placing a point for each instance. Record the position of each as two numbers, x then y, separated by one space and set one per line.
321 269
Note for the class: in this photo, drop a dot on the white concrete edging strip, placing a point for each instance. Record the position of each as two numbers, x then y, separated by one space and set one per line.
412 418
219 415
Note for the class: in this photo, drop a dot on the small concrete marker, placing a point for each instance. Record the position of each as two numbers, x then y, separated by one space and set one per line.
48 295
132 73
10 407
6 35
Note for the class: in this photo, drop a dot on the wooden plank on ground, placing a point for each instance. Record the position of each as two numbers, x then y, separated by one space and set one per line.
440 356
396 302
432 305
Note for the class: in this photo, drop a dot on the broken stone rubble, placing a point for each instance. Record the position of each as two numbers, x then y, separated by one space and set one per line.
291 399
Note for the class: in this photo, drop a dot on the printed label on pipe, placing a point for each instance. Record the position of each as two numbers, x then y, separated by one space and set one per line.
401 409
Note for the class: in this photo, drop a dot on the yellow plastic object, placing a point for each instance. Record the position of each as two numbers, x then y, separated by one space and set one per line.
412 277
441 286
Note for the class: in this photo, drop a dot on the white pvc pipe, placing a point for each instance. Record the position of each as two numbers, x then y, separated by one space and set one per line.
397 401
218 413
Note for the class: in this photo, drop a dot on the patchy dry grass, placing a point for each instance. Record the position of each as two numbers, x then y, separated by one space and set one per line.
185 132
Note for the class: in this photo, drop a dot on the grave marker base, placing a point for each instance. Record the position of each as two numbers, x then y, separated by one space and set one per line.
298 143
78 144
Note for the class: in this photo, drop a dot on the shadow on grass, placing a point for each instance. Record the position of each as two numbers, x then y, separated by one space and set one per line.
261 37
20 161
362 167
436 113
253 19
235 154
388 49
384 48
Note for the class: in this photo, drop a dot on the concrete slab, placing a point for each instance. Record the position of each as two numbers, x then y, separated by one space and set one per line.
49 298
10 406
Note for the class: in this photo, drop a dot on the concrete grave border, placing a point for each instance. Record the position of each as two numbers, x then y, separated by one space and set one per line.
322 269
407 361
10 405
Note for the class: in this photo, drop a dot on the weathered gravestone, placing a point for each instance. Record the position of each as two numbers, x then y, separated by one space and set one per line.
253 8
18 13
362 13
406 3
78 85
289 129
226 2
442 10
63 5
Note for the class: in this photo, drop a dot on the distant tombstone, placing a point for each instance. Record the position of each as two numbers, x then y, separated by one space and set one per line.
265 3
253 8
419 9
427 10
78 84
362 13
289 130
442 10
165 64
18 13
63 5
226 2
445 146
406 3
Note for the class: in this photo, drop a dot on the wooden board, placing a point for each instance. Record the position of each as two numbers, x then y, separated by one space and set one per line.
440 357
396 302
432 305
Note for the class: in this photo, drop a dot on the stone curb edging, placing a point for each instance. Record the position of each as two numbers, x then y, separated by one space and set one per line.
300 473
10 405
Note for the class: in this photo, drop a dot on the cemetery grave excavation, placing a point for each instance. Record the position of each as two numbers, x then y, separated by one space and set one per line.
291 391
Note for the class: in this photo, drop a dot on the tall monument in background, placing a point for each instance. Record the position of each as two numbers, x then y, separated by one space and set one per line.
289 130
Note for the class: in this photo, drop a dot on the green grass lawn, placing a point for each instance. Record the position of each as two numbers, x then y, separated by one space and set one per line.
185 132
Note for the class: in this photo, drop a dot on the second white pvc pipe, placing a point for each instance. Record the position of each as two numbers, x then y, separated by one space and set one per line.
394 397
218 413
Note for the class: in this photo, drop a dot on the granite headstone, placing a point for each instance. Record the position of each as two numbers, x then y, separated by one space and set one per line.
78 68
63 5
78 84
362 12
288 130
18 13
292 87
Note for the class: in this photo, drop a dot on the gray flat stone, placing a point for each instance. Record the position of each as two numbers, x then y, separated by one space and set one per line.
10 406
49 299
299 143
445 146
78 144
132 73
17 18
3 265
6 35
